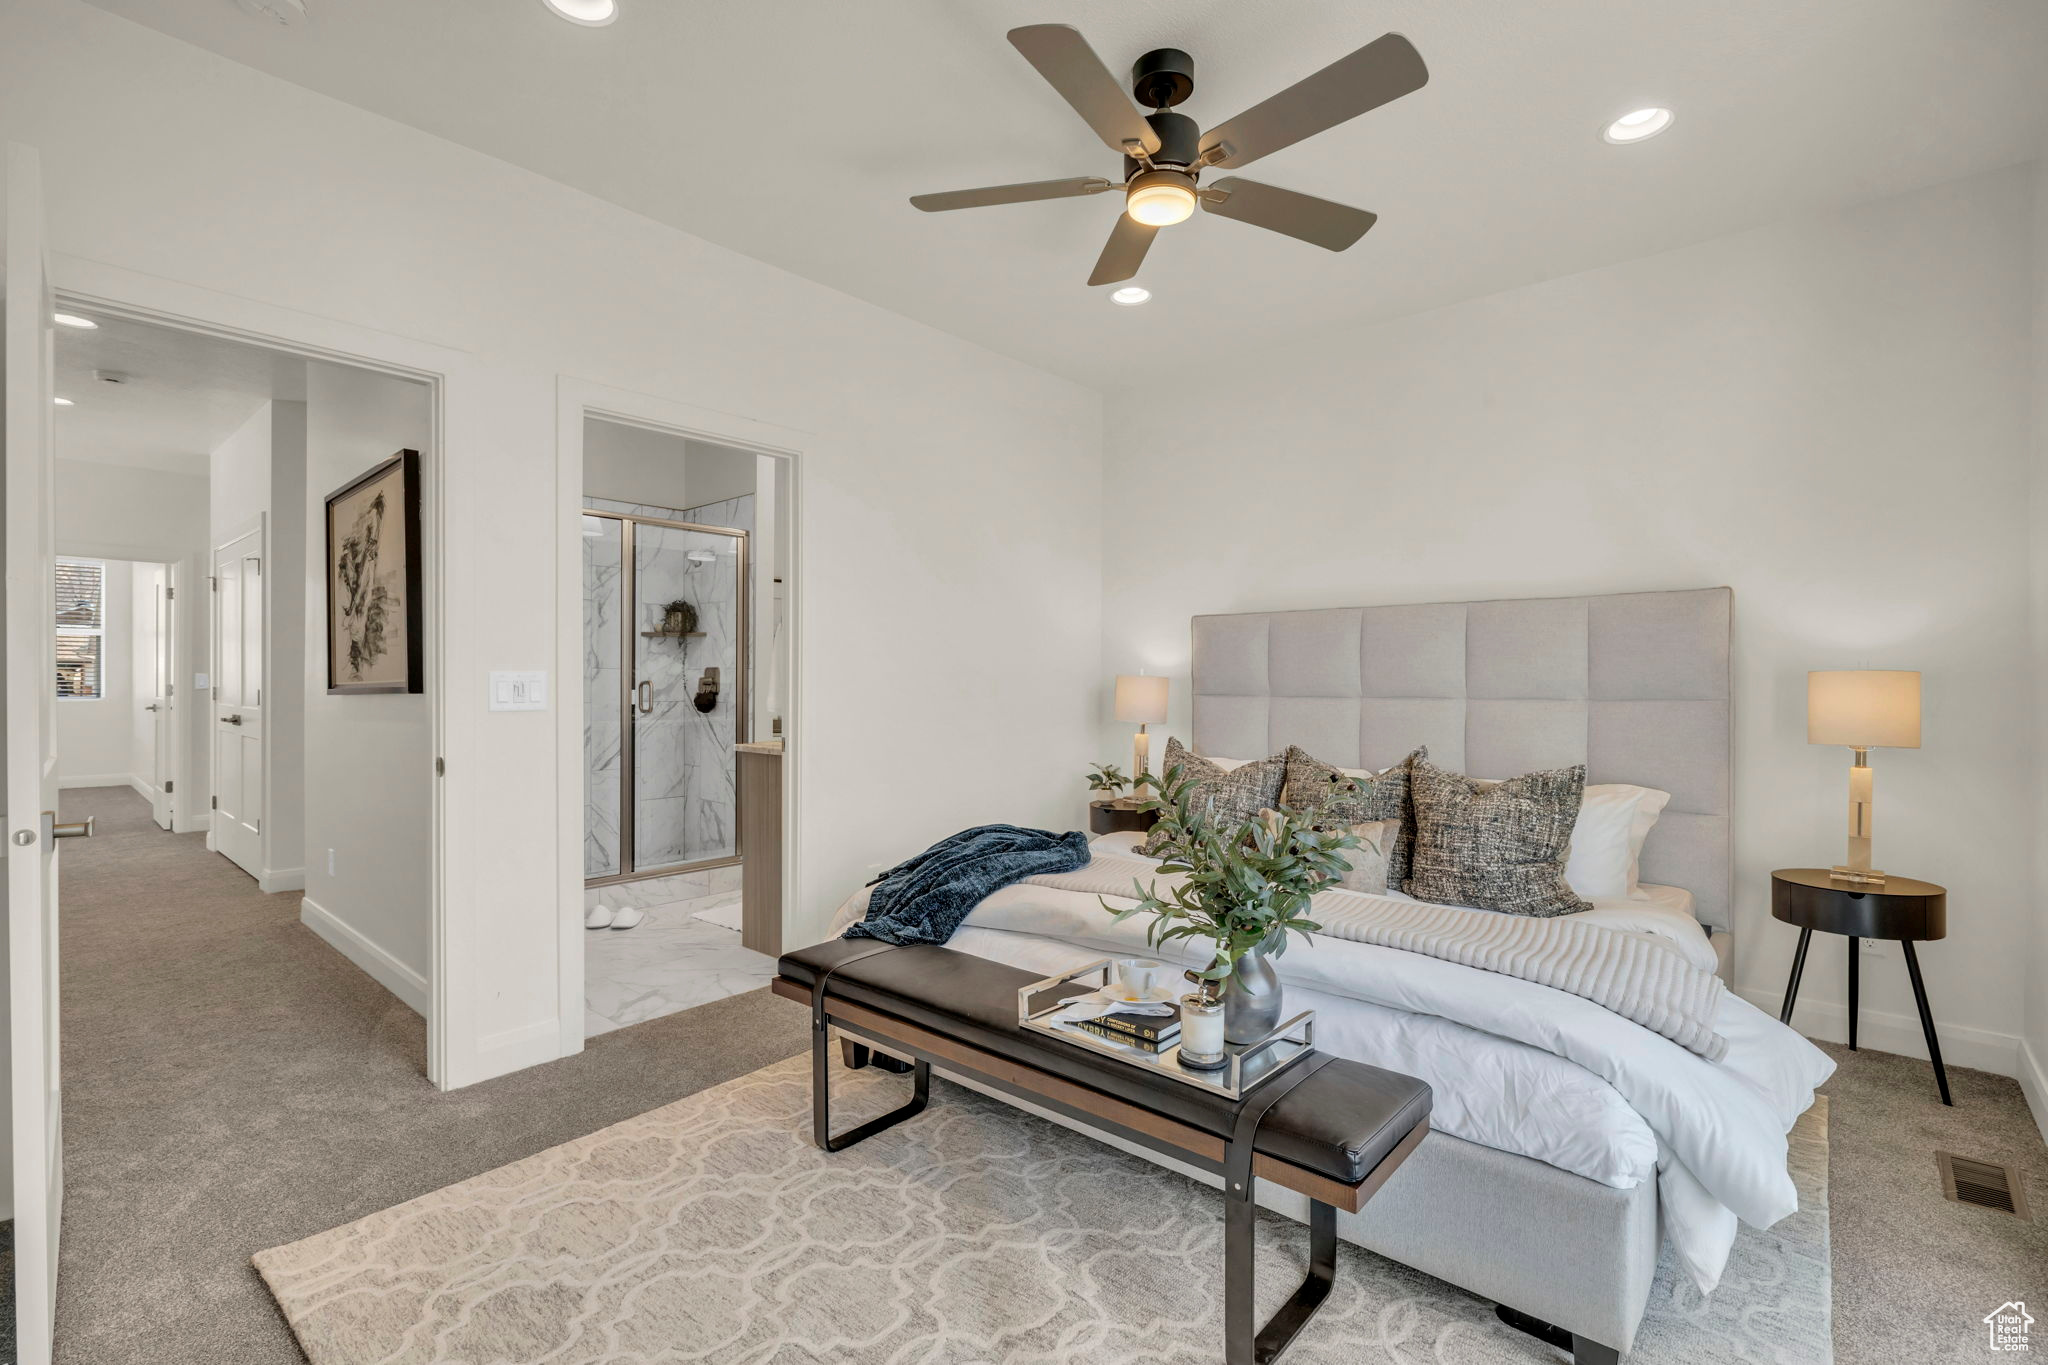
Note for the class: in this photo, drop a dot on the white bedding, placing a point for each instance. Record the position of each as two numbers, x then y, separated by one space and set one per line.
1513 1065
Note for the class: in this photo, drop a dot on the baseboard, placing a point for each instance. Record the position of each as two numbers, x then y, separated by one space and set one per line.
142 789
279 879
96 780
1981 1049
386 970
2034 1084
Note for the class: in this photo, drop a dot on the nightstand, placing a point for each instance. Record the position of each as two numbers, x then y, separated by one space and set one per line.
1899 908
1106 817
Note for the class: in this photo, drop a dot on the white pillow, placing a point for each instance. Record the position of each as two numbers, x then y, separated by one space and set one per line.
1607 841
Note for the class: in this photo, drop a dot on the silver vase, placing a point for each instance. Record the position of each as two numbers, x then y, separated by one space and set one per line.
1251 997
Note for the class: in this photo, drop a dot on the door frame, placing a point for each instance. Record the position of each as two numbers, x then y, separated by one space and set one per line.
456 1055
577 399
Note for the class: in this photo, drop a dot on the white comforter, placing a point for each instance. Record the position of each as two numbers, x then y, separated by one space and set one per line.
1513 1065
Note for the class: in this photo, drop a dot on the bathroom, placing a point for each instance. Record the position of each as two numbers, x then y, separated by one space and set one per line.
680 583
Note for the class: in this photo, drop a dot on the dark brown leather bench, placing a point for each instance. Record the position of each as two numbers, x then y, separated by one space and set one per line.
1329 1128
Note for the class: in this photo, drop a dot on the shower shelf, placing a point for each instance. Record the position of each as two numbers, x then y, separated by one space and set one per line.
671 635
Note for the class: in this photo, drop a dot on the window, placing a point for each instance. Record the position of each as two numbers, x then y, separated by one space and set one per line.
81 628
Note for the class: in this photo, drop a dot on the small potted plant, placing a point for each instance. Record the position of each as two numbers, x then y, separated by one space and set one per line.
678 618
1108 779
1246 887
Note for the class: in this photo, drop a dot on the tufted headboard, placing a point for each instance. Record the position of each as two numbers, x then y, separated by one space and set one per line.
1633 685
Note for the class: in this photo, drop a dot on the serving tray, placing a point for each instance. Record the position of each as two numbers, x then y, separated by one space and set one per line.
1250 1064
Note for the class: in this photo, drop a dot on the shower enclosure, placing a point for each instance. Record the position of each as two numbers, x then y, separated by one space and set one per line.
665 686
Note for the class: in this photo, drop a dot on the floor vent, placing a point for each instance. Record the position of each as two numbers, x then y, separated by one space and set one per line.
1982 1183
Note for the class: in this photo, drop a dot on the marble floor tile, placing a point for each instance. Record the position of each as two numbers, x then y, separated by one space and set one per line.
670 961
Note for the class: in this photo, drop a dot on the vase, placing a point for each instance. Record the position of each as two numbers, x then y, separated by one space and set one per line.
1251 997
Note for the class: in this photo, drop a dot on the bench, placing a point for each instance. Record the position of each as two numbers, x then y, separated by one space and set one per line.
1326 1127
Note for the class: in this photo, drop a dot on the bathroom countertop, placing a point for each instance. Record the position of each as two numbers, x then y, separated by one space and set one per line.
770 746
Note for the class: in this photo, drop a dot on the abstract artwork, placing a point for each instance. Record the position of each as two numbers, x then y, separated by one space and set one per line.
374 605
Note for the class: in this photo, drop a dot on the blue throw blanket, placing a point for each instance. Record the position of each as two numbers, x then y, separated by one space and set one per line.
924 900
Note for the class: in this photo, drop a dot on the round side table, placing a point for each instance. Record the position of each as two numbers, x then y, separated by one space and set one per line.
1898 908
1106 817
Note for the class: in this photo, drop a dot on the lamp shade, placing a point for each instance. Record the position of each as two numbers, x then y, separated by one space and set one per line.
1864 708
1141 699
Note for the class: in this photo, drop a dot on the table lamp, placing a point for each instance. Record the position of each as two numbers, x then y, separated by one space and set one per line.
1863 709
1141 699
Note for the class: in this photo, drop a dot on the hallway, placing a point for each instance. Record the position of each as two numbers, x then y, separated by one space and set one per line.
232 1083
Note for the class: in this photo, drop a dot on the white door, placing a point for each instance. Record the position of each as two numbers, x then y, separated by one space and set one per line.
159 734
36 1118
238 700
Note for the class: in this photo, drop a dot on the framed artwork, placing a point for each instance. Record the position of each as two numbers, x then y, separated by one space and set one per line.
375 613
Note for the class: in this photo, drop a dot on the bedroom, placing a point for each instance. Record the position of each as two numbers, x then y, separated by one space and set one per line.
1791 346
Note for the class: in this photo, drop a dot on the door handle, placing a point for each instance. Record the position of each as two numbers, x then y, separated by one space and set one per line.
76 829
150 707
235 719
646 691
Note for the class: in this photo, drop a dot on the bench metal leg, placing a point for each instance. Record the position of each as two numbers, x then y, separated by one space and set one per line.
821 1095
1585 1350
1243 1342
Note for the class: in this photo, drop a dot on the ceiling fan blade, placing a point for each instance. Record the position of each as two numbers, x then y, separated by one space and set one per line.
1329 226
1383 70
1128 242
1064 58
1009 194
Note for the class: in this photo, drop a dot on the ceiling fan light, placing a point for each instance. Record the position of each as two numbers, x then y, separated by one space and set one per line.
1160 198
589 13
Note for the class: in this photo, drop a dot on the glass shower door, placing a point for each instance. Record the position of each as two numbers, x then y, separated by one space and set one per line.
604 716
688 693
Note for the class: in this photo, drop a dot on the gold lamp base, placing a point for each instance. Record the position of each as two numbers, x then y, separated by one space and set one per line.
1862 876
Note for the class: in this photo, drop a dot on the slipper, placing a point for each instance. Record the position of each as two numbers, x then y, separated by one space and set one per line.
598 917
628 917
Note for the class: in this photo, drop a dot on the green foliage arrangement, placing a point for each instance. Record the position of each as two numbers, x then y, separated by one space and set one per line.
1247 884
1107 777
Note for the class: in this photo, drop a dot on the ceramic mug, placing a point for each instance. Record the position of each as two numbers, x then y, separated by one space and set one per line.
1138 976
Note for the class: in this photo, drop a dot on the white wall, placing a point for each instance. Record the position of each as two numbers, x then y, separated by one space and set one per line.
93 732
2034 1058
948 514
1828 415
369 760
632 464
142 514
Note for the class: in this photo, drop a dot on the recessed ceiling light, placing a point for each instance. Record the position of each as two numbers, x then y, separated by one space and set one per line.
73 320
1637 126
589 13
64 402
1131 295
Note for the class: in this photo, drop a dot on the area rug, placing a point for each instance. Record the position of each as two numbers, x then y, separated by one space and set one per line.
711 1230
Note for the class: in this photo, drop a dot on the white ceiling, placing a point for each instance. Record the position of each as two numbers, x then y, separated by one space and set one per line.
793 131
183 393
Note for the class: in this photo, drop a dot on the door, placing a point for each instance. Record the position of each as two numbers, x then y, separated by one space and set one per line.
158 731
238 700
30 698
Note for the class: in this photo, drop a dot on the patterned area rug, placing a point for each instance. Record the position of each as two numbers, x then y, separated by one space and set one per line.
711 1230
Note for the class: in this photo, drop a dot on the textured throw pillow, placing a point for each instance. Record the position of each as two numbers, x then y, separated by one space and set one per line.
1365 867
1495 846
1311 788
1220 797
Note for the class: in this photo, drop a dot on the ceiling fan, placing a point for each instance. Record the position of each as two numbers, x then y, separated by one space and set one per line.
1165 153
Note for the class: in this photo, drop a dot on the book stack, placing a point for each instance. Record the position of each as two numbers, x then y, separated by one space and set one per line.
1146 1032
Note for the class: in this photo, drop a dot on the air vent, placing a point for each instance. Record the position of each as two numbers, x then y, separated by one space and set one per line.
1982 1183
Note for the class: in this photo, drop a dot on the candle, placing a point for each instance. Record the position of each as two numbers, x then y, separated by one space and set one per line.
1201 1031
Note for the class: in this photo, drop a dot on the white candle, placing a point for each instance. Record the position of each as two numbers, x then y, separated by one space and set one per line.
1201 1030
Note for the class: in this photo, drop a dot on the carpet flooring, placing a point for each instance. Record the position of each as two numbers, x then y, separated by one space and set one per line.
232 1083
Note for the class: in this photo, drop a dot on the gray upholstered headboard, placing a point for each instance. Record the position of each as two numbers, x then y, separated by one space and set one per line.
1633 685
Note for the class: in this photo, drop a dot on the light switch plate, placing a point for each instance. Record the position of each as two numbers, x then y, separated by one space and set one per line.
519 691
199 682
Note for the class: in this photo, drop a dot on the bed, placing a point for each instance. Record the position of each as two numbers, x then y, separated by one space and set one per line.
1570 1144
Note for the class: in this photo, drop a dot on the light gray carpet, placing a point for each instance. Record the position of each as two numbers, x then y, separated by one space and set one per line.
231 1082
1915 1273
713 1230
